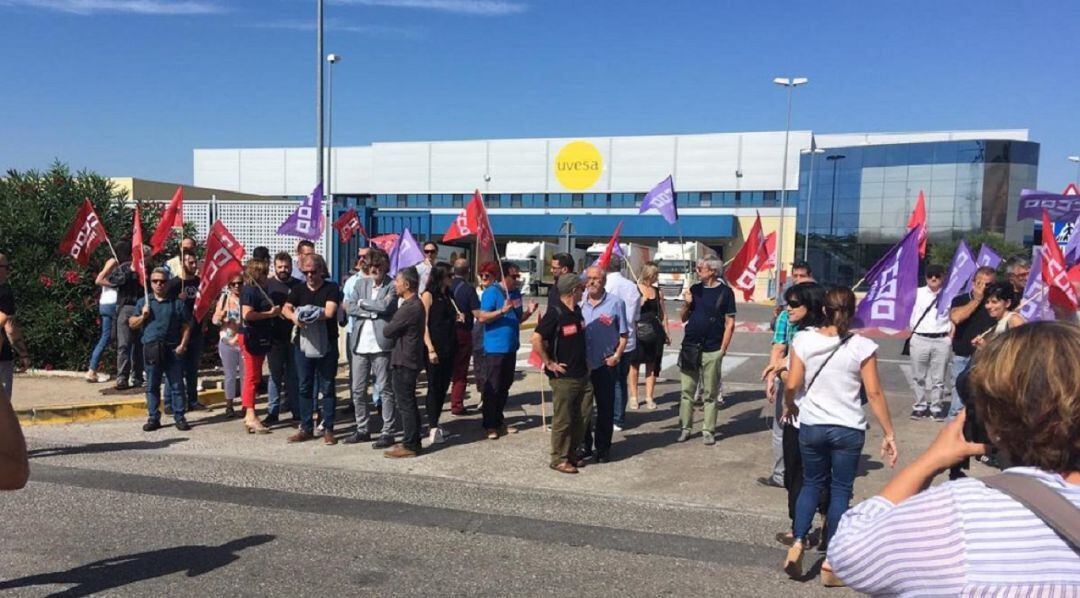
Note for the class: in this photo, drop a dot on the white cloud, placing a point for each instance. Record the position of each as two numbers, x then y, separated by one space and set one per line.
380 31
486 8
142 7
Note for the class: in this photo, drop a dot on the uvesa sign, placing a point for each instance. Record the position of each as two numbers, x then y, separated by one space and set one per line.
578 165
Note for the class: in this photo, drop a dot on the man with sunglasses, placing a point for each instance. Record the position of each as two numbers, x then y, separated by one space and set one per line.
11 340
184 287
1018 268
164 322
931 348
431 253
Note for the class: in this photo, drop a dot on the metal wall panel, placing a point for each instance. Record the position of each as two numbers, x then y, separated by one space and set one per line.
401 167
262 171
299 171
458 166
707 163
217 168
517 166
352 169
639 163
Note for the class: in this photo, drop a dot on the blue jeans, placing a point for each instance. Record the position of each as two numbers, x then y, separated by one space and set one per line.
621 397
108 319
959 364
316 376
173 370
282 365
826 451
190 362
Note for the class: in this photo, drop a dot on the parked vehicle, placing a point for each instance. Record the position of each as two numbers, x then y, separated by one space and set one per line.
636 256
676 264
532 259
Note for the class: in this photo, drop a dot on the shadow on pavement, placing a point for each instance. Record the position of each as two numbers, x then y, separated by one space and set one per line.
112 573
104 447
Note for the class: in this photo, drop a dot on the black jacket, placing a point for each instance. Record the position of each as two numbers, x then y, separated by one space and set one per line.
407 330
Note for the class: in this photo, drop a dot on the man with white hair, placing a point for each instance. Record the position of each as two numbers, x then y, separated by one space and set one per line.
627 290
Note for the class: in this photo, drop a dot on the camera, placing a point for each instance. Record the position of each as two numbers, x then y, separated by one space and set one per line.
974 429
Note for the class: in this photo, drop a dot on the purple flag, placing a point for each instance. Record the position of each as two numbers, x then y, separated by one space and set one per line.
308 220
662 199
1059 206
1036 302
960 272
1072 246
893 283
987 257
406 252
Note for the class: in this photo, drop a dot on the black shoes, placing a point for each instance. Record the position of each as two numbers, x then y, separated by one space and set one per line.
917 414
603 457
183 426
151 425
122 385
196 406
357 438
271 419
769 483
384 442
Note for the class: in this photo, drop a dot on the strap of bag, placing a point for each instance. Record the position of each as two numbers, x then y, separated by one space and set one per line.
831 353
1055 510
919 321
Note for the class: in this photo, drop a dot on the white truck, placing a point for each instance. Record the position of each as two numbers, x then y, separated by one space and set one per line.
676 263
532 259
636 256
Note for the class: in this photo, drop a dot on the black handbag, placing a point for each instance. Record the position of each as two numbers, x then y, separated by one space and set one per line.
907 341
690 354
647 330
154 353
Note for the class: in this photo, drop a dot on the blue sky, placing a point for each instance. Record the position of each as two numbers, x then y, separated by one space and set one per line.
130 87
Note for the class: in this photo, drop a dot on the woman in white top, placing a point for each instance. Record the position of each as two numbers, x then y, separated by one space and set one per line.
107 311
227 316
966 537
1000 297
831 365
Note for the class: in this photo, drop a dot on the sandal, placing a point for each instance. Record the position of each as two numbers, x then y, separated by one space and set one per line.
256 428
649 403
793 561
828 578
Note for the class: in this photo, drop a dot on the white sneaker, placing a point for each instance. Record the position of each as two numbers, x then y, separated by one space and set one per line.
617 428
436 436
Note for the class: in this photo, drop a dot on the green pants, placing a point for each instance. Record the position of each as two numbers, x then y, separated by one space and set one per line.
709 376
571 404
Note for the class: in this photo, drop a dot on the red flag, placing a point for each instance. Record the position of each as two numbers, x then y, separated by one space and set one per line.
766 255
138 259
224 260
1054 274
384 242
918 218
84 235
742 274
348 224
605 258
172 217
473 220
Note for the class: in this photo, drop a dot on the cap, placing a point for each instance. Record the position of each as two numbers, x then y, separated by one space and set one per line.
567 283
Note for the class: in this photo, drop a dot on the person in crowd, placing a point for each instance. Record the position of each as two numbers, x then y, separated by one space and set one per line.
1000 298
11 339
227 316
312 307
970 319
431 253
303 248
281 360
406 329
800 273
257 312
986 541
606 334
466 299
107 313
708 315
1017 268
261 253
164 323
832 423
184 287
440 339
502 314
561 263
559 339
176 262
488 274
14 465
370 305
652 336
360 270
129 353
627 290
931 348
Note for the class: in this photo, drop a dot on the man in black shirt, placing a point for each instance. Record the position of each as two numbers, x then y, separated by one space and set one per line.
559 339
184 287
281 361
561 263
970 319
467 302
406 360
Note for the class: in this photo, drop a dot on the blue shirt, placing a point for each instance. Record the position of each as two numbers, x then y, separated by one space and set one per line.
605 322
784 330
501 334
164 321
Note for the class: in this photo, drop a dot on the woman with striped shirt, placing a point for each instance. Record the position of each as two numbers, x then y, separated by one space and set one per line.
964 537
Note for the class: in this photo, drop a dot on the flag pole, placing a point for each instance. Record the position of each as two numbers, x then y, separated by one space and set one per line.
115 257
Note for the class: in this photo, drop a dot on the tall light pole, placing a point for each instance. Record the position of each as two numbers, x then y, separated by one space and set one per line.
790 84
813 151
319 92
332 59
1077 160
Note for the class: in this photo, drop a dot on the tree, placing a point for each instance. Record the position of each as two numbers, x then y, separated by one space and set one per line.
941 252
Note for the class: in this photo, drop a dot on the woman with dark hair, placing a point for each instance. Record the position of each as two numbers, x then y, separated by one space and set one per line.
832 422
441 341
258 314
1000 298
986 539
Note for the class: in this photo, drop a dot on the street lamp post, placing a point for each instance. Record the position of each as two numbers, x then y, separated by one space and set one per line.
813 151
318 92
332 59
1077 160
790 84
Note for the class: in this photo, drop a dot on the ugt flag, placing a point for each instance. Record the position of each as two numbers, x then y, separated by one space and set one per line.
1035 305
224 255
960 272
662 199
172 217
84 235
348 224
307 221
406 252
893 283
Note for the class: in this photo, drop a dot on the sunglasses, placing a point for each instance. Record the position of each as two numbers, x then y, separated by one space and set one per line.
157 281
236 284
431 251
310 272
485 276
794 304
933 277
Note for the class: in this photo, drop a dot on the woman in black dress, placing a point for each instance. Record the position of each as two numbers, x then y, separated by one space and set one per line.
652 336
441 341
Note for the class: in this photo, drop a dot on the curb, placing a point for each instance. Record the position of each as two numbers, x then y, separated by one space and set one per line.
88 412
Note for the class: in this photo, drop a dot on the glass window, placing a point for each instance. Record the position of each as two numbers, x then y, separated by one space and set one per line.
769 198
577 200
638 198
706 200
402 201
459 200
515 200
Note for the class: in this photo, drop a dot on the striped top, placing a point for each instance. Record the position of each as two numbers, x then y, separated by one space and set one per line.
960 538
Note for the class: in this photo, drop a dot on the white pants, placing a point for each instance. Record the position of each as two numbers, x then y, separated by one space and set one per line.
233 366
930 363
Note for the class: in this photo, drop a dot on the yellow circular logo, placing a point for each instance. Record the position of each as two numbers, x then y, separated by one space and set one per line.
578 165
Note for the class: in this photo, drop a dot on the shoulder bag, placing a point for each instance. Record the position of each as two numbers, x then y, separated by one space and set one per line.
690 353
907 341
813 379
1053 509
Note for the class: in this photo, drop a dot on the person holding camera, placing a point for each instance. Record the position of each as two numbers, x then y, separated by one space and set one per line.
970 319
1014 533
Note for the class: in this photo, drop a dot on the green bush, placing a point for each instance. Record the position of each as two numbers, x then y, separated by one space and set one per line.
55 296
942 252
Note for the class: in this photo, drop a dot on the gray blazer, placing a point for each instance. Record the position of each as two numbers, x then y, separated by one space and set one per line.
376 312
